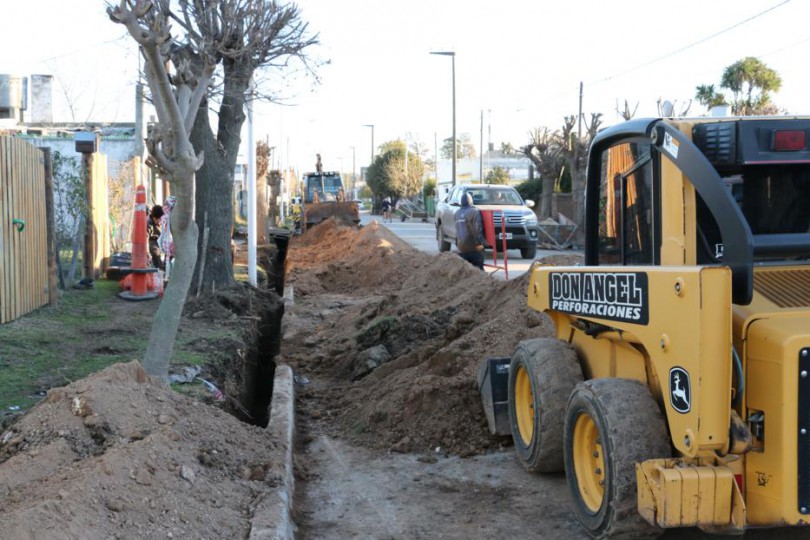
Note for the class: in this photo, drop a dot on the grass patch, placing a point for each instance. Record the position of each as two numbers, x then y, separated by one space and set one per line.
89 330
189 358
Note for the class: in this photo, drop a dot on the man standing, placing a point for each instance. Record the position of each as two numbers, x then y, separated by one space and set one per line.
386 210
470 232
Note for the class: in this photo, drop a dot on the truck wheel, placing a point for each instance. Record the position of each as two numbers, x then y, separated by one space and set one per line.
529 252
542 374
443 244
610 425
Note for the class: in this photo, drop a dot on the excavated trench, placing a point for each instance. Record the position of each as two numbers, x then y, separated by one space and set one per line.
249 374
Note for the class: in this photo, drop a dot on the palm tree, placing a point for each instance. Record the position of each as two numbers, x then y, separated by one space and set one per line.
708 96
751 82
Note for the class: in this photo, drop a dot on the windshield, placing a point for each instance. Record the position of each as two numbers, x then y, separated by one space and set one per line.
495 197
331 184
327 186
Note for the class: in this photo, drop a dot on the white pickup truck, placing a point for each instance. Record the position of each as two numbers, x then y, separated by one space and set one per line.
521 222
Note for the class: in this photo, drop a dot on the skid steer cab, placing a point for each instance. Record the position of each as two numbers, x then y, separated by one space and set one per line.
676 392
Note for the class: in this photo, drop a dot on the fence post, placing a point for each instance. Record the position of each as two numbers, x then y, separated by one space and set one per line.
89 247
53 294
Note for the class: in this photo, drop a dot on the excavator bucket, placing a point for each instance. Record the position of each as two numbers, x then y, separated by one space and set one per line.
345 211
493 383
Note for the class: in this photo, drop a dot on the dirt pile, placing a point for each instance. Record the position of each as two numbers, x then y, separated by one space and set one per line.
117 455
437 317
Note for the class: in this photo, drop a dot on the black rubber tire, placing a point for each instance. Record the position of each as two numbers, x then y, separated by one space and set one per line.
529 252
553 370
631 429
441 243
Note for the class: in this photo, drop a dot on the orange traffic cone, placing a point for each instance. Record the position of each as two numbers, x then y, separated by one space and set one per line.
139 271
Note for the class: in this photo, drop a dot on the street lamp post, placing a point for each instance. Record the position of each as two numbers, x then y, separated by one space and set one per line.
452 55
354 179
372 140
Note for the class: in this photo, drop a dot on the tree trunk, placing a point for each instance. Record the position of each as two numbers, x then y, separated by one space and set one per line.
262 210
544 209
215 177
274 180
167 318
578 200
546 196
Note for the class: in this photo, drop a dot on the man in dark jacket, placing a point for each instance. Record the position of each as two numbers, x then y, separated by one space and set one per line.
470 232
153 232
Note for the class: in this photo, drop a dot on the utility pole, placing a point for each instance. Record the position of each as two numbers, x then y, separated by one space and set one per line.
406 157
251 189
579 118
436 160
372 140
354 179
481 157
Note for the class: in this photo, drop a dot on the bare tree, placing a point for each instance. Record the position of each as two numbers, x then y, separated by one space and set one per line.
242 36
265 178
575 152
667 108
544 151
627 114
176 98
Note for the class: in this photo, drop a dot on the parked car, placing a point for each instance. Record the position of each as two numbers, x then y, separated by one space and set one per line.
521 222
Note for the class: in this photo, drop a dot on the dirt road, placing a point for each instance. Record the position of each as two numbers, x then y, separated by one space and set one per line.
401 450
356 492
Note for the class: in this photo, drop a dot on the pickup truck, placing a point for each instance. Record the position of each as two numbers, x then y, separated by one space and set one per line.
521 222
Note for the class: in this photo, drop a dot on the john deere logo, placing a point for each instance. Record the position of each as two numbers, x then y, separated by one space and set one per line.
680 392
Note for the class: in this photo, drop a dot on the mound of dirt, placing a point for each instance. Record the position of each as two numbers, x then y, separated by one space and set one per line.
437 317
118 455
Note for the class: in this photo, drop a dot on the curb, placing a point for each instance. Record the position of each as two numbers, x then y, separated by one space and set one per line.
272 517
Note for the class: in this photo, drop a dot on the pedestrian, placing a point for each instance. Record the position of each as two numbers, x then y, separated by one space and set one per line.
153 233
470 232
386 209
165 240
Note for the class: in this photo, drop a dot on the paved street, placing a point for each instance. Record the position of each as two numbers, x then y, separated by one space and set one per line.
422 236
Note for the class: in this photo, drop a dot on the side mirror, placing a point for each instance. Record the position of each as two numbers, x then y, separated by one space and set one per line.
529 203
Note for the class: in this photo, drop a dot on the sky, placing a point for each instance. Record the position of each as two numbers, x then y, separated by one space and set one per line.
518 63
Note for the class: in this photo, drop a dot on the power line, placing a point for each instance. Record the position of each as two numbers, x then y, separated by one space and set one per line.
658 59
116 41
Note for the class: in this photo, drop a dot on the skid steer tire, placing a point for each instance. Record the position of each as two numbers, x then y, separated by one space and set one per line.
542 374
610 425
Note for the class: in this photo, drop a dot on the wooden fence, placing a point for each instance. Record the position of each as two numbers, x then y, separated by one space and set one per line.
23 229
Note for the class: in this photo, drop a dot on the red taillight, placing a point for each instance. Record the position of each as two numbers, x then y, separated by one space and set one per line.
739 479
788 140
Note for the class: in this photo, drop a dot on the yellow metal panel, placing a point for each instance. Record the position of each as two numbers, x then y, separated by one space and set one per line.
773 343
673 250
689 326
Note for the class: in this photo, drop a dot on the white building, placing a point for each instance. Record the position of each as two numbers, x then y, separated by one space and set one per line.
469 171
